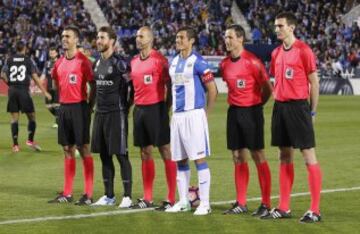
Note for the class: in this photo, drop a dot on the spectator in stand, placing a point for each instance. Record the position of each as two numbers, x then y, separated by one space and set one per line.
320 25
165 18
40 23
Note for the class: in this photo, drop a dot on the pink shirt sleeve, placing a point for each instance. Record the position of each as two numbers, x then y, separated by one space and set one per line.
87 70
308 60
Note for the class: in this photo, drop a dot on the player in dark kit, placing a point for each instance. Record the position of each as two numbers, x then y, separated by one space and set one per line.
110 129
72 72
293 65
53 105
249 89
17 73
150 77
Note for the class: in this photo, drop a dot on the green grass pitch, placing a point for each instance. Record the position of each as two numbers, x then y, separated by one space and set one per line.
28 179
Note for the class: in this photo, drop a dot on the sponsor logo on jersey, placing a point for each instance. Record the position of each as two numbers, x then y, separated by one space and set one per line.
180 79
104 82
72 79
148 79
241 84
289 73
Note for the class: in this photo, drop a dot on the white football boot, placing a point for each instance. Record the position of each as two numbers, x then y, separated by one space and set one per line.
126 202
202 209
105 201
179 207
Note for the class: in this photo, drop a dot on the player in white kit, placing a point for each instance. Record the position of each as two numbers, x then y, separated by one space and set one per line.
191 81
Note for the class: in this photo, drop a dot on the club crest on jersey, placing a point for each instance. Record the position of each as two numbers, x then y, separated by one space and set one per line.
110 69
189 65
148 79
289 73
72 79
240 84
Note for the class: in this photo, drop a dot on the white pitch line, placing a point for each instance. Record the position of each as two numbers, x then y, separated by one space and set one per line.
119 212
79 216
292 195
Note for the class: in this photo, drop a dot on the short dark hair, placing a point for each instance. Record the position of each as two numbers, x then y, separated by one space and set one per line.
110 31
190 32
239 31
20 46
289 16
73 28
53 47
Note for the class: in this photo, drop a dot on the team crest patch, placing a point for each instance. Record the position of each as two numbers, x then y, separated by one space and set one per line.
110 69
189 65
241 84
148 79
289 73
72 79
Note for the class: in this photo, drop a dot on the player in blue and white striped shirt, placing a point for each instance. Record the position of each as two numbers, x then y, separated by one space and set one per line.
194 93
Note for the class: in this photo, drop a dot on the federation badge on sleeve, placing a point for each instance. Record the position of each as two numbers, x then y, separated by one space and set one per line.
241 84
289 73
72 79
148 79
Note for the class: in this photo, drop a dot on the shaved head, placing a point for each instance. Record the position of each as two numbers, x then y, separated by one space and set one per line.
147 30
144 38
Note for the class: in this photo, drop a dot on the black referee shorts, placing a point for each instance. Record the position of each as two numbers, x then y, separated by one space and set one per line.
109 133
54 97
151 125
74 124
292 125
245 128
19 99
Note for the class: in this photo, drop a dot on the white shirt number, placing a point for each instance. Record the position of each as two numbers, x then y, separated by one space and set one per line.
17 73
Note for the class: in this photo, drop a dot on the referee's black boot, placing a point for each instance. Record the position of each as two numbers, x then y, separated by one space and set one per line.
84 201
310 217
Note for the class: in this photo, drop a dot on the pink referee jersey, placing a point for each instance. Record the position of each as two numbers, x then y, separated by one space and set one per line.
291 69
149 77
244 78
71 77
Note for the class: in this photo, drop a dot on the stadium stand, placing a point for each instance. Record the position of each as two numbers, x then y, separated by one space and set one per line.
165 17
336 44
38 23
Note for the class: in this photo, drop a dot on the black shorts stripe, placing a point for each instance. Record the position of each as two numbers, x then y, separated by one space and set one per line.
151 125
245 128
292 125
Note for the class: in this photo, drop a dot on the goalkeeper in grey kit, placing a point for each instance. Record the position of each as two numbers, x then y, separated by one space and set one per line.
110 129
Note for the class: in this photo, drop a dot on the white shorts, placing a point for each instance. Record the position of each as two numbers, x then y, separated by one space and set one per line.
189 135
